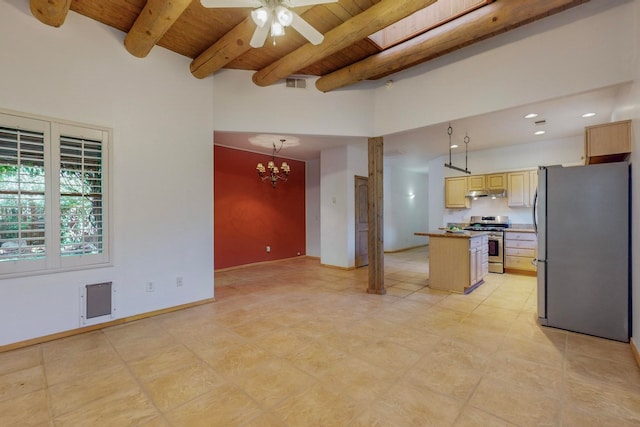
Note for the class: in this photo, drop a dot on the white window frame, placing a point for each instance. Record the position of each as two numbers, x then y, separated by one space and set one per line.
52 130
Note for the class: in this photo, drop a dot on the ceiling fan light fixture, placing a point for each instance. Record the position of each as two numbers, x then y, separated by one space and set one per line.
260 16
284 16
272 17
277 29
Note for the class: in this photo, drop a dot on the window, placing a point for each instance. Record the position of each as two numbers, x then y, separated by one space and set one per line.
432 16
53 195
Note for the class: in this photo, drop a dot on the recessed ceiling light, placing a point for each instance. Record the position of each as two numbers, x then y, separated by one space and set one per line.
587 115
540 132
454 146
531 115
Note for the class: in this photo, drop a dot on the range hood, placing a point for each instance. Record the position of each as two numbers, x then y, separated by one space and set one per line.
493 193
477 193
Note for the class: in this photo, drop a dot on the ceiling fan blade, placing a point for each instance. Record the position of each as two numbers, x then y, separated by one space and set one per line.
306 30
260 36
300 3
230 3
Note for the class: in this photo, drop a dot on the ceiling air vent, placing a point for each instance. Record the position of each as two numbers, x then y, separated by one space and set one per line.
296 83
540 122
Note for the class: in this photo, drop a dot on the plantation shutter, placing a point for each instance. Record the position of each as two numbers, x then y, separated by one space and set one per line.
81 196
22 194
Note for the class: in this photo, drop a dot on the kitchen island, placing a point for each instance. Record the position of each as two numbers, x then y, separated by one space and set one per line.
458 261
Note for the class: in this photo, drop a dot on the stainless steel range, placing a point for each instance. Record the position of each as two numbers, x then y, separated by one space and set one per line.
495 225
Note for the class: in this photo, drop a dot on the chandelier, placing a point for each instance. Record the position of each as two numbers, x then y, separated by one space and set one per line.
275 174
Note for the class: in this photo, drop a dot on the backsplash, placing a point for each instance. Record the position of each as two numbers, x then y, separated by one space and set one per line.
489 207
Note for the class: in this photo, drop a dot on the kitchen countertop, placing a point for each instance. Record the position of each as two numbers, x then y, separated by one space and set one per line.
520 230
462 235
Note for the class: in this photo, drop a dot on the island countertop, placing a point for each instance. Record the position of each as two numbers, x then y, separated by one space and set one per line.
461 235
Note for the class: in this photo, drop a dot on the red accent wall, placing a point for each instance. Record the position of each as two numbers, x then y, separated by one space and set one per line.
250 215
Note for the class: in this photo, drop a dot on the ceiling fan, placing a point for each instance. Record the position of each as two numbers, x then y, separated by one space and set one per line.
272 16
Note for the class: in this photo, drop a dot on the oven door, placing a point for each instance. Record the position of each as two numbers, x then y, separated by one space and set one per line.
495 249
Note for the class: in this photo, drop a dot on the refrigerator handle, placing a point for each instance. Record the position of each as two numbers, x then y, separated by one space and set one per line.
535 219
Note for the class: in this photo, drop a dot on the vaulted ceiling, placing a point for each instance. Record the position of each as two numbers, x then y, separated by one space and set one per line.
219 38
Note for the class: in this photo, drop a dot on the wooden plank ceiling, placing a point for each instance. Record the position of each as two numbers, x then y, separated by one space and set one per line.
218 38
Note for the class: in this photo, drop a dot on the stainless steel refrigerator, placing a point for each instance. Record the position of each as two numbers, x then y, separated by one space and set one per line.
583 225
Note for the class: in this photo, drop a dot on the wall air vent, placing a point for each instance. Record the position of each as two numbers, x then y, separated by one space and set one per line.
96 303
296 83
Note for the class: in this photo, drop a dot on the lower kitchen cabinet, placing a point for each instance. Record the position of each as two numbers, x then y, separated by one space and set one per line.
457 263
520 249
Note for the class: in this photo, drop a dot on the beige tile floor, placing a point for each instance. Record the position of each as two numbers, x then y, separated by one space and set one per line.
297 344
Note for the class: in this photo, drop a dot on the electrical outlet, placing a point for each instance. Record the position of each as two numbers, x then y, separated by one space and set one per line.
179 282
268 248
151 287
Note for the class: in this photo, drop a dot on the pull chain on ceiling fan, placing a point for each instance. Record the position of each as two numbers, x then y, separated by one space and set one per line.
272 16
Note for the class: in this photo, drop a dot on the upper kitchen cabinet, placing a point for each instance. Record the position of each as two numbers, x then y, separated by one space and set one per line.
609 142
476 183
455 191
518 189
496 181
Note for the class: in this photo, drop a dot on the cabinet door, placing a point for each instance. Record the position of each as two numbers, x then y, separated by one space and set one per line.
485 256
476 183
473 266
455 190
497 181
608 139
518 189
479 265
533 185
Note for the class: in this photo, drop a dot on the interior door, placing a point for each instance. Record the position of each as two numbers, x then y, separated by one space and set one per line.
362 221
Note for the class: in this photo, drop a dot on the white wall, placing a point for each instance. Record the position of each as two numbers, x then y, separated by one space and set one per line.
278 109
557 56
334 207
339 166
404 215
162 121
312 202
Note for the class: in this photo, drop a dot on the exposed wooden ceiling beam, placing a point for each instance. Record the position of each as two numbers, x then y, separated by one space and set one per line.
154 20
226 49
357 28
50 12
481 24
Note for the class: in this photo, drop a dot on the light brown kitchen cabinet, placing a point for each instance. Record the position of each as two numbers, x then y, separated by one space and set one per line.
457 262
485 255
520 249
496 181
478 259
518 189
608 142
474 266
476 183
455 191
